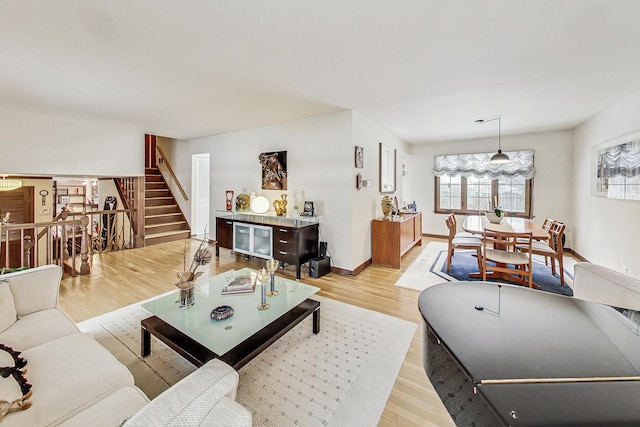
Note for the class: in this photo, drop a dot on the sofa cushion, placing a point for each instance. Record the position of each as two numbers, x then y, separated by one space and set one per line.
69 375
38 328
35 289
8 313
113 410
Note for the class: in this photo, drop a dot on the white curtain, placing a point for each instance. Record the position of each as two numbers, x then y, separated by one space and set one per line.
479 165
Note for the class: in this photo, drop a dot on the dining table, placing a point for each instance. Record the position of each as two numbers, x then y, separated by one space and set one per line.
478 224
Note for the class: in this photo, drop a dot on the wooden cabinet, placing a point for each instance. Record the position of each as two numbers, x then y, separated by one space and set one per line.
392 239
294 244
224 234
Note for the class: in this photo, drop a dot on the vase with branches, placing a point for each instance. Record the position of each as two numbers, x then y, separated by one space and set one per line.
187 277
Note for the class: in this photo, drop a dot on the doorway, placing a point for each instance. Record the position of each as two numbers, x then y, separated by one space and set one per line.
200 176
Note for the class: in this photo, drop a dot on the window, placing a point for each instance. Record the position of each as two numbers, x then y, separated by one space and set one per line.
468 183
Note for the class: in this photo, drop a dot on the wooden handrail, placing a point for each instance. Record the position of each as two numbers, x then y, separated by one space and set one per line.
173 175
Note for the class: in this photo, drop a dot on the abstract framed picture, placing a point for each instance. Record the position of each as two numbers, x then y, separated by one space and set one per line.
616 168
274 170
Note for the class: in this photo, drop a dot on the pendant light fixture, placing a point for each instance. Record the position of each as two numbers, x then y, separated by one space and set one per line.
499 157
9 184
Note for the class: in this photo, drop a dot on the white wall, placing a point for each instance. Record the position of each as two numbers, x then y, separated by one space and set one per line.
607 230
43 143
319 167
366 202
552 182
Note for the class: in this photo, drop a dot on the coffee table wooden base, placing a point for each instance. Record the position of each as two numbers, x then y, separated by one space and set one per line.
238 356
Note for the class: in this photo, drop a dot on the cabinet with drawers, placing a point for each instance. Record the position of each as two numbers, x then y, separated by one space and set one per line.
294 240
295 245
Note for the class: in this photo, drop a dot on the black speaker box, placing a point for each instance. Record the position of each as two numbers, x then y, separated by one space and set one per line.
319 266
323 250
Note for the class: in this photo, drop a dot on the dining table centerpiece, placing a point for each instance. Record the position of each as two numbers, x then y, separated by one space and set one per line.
496 216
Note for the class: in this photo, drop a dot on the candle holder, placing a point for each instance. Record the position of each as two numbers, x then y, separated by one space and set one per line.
263 275
272 266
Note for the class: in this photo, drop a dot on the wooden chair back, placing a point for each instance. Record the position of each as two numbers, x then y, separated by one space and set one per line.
555 237
450 220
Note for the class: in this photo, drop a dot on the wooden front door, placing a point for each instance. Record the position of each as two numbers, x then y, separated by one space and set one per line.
19 203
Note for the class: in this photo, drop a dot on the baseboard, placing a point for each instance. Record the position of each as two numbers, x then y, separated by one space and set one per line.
358 269
435 236
576 255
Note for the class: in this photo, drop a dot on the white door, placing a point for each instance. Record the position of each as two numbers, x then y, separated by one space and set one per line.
200 195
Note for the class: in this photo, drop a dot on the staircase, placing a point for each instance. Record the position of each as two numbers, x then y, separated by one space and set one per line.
163 219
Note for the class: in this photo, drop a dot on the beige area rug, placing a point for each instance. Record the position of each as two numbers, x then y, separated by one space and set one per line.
342 376
426 270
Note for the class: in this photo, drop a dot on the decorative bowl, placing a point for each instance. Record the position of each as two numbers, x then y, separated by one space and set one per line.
493 218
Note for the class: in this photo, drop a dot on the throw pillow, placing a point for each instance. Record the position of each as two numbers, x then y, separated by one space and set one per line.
14 388
8 313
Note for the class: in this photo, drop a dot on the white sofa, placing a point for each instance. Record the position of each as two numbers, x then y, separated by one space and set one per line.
77 382
600 284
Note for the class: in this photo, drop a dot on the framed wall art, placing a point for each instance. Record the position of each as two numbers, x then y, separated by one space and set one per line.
274 170
616 168
359 157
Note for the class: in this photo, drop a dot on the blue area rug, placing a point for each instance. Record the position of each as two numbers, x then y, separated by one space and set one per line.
463 263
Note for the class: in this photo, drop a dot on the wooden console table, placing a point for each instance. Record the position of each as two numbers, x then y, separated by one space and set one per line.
392 239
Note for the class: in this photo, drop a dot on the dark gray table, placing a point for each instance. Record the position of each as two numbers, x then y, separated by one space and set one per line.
545 359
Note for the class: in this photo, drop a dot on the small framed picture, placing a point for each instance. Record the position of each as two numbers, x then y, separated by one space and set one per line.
359 157
359 181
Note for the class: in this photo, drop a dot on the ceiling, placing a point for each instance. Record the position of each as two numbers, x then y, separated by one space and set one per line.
423 69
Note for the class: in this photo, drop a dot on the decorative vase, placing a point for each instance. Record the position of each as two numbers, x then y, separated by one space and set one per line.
281 205
386 207
187 294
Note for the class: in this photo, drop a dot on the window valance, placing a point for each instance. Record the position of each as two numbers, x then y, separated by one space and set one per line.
620 160
479 165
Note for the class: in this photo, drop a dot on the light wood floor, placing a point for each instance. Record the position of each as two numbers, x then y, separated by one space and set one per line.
122 278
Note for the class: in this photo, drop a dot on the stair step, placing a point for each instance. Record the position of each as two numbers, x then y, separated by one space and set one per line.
159 185
154 226
158 201
157 192
168 236
162 209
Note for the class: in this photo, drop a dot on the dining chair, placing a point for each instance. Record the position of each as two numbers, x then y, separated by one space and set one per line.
501 248
551 249
546 225
461 240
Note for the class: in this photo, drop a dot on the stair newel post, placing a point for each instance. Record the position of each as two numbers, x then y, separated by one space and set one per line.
84 247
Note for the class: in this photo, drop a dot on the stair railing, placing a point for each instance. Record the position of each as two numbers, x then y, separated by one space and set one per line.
56 242
131 191
162 159
109 230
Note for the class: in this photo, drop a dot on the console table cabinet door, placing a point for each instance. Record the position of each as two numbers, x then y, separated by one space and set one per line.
392 239
224 233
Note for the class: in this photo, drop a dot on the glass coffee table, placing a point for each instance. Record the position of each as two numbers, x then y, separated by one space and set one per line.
198 338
